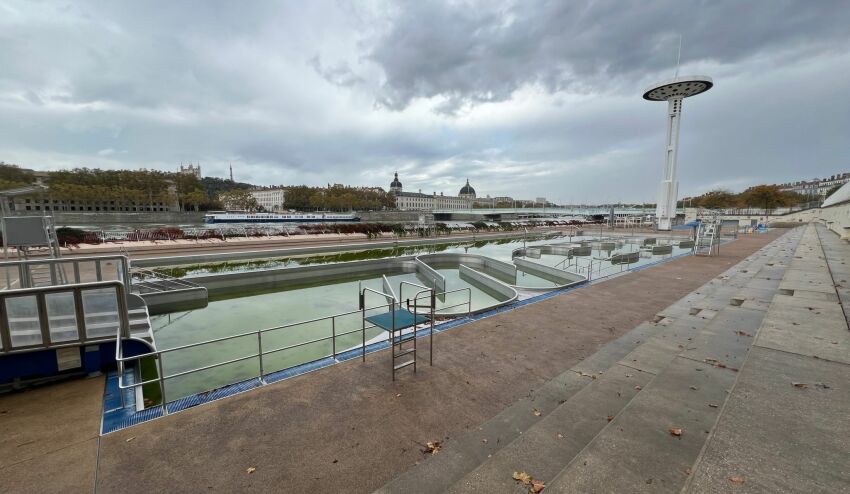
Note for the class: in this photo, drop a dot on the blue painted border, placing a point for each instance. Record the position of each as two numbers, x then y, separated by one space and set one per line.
116 418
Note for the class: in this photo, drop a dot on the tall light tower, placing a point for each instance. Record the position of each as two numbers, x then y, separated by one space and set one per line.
673 92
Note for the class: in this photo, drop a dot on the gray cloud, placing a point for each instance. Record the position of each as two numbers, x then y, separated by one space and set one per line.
524 98
473 54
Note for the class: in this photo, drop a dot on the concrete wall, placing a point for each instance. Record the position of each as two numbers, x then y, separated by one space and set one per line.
63 218
392 216
565 278
229 283
836 218
487 282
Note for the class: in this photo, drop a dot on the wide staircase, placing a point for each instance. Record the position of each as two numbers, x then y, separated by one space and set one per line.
633 417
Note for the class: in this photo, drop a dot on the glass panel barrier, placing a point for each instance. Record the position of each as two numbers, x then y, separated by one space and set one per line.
61 317
24 327
100 308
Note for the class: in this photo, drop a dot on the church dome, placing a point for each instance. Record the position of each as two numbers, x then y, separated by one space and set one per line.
467 190
396 184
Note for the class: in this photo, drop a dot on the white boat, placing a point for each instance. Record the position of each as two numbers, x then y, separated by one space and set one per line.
248 217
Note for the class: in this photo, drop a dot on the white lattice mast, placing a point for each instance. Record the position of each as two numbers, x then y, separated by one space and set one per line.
673 91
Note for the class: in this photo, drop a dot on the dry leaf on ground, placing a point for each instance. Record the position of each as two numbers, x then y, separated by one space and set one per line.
736 480
610 418
522 477
537 486
432 447
537 413
675 431
251 469
800 385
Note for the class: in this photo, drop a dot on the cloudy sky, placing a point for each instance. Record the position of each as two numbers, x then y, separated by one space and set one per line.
525 98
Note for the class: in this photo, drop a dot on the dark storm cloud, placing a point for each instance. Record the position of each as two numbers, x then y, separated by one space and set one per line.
530 98
470 53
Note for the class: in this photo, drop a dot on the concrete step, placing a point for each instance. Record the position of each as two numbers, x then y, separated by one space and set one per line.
545 448
636 451
464 453
525 436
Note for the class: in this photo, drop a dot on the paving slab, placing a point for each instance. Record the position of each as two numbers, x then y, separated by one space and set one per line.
636 452
544 449
48 437
775 437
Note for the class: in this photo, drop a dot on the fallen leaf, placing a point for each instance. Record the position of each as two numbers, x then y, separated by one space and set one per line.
484 441
432 447
610 418
688 471
536 413
694 388
638 388
629 375
585 374
822 385
537 486
800 385
398 395
130 439
522 477
251 469
736 480
560 436
675 431
743 333
712 405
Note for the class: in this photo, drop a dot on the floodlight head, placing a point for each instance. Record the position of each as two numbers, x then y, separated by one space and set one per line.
680 87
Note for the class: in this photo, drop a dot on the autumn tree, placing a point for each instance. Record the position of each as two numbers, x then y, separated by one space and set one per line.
238 199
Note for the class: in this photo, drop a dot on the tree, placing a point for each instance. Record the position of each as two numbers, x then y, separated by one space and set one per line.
717 199
764 196
238 199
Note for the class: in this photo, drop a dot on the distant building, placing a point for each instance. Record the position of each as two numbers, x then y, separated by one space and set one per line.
272 199
540 200
395 185
817 186
191 170
417 201
467 192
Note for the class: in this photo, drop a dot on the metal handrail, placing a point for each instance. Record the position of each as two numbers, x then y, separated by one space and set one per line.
157 354
162 277
24 272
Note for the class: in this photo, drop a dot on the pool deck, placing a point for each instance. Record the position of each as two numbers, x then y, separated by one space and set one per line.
579 390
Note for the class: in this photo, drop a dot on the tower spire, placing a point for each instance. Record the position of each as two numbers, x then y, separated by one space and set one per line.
231 171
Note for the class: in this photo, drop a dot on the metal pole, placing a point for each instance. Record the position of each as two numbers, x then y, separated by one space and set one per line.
162 384
260 354
333 337
392 339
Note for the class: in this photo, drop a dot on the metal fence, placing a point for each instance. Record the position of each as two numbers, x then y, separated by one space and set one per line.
262 346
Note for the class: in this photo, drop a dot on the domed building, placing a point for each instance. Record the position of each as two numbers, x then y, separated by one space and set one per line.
467 192
395 185
417 201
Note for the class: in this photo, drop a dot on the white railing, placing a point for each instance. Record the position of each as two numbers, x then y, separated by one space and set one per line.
62 316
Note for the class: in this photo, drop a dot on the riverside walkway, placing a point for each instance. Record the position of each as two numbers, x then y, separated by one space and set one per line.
581 391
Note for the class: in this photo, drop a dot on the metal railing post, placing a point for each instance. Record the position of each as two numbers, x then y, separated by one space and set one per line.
162 384
41 307
392 338
260 353
333 337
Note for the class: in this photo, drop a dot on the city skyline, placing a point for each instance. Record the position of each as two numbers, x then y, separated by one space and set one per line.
542 99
